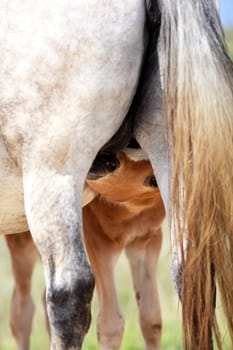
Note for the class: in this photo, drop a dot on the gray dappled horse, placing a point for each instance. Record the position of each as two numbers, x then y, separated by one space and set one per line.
71 73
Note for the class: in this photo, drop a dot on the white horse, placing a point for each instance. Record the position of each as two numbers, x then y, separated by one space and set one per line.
71 71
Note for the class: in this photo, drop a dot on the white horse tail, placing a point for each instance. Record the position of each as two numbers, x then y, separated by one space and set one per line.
197 80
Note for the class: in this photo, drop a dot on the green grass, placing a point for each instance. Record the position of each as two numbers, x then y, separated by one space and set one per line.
229 39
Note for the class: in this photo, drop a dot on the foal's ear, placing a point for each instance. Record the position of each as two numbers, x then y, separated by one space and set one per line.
88 195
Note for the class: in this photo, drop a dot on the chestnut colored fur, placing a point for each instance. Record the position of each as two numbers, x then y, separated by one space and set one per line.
127 214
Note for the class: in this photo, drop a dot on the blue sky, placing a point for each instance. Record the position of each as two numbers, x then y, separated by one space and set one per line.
226 12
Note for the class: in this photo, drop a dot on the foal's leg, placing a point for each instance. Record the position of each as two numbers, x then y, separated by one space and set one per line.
143 259
103 256
110 323
23 255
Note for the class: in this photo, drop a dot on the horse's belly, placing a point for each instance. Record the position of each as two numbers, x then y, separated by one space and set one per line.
12 214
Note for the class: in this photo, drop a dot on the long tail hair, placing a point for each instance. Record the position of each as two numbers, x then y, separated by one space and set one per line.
197 79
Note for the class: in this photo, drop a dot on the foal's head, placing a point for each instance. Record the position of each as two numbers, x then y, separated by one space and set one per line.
126 177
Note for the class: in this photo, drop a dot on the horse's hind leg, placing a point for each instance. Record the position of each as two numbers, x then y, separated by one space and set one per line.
53 209
23 255
143 258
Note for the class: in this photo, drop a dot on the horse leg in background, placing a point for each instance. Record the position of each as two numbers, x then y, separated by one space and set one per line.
143 258
103 255
23 255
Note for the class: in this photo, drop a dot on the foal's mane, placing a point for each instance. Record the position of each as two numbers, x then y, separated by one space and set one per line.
197 77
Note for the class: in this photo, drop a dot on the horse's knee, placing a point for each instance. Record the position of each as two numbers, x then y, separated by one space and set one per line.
68 308
110 332
151 327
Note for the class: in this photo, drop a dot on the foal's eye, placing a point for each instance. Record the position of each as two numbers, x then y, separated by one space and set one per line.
151 181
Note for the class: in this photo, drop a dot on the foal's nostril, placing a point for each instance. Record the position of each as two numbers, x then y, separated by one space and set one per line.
111 165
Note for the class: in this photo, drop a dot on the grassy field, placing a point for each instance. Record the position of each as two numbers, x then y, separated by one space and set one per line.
171 339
